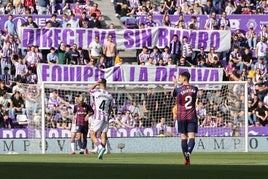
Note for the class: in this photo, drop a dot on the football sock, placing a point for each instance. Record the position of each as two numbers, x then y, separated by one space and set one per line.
72 145
191 145
79 142
184 146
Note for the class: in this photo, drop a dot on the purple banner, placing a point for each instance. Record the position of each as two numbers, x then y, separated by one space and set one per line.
242 22
124 73
126 132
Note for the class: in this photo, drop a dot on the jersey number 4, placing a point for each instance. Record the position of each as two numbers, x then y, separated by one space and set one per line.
102 105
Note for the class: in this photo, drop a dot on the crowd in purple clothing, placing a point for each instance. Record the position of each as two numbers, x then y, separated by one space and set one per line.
245 61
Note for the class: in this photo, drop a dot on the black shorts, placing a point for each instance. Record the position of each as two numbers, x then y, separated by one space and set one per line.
82 129
186 126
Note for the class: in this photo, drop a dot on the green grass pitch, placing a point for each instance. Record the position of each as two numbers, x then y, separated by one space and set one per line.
125 166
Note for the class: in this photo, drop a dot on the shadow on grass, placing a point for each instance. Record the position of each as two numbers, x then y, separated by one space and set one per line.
118 171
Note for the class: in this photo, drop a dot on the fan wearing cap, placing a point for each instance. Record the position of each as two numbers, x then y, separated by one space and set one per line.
102 102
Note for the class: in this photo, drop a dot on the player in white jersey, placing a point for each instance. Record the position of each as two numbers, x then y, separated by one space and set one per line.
102 102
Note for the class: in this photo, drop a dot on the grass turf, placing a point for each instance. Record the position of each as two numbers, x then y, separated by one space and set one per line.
162 165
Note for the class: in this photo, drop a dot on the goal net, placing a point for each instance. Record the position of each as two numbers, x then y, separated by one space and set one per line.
141 110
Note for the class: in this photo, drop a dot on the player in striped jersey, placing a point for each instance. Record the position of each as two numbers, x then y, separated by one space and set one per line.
186 95
102 102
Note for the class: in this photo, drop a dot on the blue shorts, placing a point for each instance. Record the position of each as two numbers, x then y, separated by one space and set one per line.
186 126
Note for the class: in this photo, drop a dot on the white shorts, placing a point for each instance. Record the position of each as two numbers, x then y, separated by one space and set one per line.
99 126
74 128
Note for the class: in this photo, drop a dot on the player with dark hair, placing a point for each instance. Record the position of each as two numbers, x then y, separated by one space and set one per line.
186 96
102 102
82 111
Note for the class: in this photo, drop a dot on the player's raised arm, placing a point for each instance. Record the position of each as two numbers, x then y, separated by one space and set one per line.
175 81
94 85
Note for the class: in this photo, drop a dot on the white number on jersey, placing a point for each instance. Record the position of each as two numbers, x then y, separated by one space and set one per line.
188 102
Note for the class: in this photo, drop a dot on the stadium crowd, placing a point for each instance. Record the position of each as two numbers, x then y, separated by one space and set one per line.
245 61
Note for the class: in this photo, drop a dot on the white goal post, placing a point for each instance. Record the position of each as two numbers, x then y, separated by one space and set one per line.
220 102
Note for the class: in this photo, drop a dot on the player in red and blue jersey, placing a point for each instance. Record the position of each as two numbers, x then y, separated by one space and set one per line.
186 95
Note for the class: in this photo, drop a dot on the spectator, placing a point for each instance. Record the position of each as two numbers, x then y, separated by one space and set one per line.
260 68
144 55
7 78
74 23
20 68
208 8
31 78
42 7
237 59
155 10
61 54
184 62
64 21
251 38
175 49
143 11
5 121
95 10
94 22
5 55
247 59
52 57
2 8
83 21
166 20
77 10
150 22
261 114
19 9
262 50
10 26
155 55
162 126
251 114
64 122
49 121
9 8
212 22
240 7
109 50
68 54
150 106
166 55
81 57
54 22
127 120
197 8
230 8
209 121
31 100
74 55
193 25
211 56
201 55
224 21
263 32
187 51
55 100
101 63
95 49
67 9
17 104
30 23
